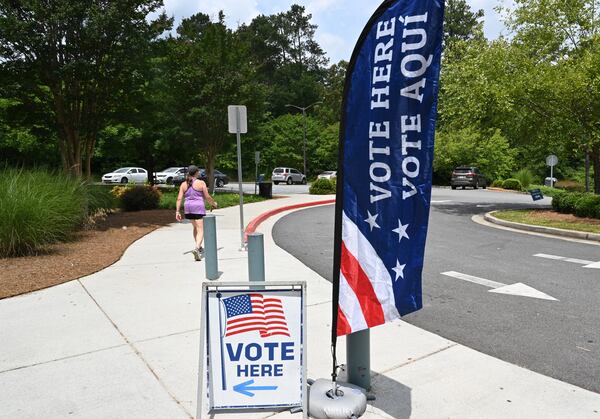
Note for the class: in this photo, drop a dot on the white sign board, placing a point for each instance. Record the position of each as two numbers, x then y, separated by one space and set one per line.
238 122
551 160
255 347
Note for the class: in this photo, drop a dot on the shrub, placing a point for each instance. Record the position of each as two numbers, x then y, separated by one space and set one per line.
568 202
99 198
588 205
557 200
525 177
570 186
140 198
118 191
513 184
38 208
321 187
497 183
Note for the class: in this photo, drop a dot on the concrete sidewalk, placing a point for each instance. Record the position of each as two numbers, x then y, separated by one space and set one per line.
123 343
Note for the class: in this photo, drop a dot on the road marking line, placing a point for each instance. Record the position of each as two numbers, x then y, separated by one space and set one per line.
595 265
474 279
524 291
565 259
440 201
518 289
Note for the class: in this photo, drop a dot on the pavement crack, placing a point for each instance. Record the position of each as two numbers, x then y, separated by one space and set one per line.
63 358
137 352
417 359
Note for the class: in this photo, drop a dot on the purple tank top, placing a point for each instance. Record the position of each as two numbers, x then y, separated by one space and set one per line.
194 201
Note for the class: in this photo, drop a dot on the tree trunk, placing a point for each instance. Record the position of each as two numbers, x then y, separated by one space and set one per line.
595 157
210 169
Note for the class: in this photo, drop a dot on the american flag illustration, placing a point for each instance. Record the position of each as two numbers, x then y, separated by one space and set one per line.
254 312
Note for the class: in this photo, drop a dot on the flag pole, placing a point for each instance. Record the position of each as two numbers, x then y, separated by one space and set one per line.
223 375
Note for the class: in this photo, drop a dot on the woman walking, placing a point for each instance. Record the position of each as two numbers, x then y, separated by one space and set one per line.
195 192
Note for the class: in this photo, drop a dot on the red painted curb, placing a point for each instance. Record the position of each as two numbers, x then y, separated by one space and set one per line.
253 225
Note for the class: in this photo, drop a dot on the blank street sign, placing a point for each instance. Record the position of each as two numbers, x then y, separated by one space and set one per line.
232 114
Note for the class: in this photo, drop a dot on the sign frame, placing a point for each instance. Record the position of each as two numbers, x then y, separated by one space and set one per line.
204 394
237 119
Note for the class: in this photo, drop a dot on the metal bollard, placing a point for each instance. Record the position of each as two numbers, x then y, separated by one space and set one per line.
256 257
211 264
358 359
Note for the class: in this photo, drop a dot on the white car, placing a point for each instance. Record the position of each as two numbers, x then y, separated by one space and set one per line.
329 175
170 175
287 175
126 175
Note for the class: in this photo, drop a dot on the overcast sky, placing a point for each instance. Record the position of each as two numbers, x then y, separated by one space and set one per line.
340 21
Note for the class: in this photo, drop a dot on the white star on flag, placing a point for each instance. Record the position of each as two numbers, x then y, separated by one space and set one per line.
401 231
399 269
371 220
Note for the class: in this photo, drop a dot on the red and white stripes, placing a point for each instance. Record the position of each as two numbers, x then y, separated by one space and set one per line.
366 297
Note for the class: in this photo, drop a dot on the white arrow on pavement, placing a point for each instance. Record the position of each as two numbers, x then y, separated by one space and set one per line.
595 265
519 288
587 263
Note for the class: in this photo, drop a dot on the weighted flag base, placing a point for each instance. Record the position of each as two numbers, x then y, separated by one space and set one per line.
349 401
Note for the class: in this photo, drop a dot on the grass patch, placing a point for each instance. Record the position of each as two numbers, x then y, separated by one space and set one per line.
38 208
550 219
168 199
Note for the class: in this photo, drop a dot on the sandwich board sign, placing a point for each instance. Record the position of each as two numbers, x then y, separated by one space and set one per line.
253 346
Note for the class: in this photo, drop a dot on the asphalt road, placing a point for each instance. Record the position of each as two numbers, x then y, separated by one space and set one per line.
560 338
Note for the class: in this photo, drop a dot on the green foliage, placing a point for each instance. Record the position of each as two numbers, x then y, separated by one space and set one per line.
513 184
322 187
570 185
38 208
497 183
140 198
99 198
490 153
525 177
580 204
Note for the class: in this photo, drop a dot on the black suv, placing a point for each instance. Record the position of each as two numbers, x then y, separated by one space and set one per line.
467 176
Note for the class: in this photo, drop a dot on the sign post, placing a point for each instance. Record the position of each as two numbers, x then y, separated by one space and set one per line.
238 125
256 161
551 161
252 342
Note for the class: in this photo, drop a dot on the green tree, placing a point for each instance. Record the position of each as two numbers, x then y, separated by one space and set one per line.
211 69
461 23
79 58
490 152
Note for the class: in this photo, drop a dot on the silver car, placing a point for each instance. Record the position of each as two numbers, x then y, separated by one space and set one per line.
287 175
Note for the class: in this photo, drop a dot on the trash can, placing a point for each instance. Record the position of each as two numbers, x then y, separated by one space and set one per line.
265 189
549 181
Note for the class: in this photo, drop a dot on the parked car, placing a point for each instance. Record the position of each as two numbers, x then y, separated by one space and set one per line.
126 175
287 175
221 179
467 176
170 175
329 175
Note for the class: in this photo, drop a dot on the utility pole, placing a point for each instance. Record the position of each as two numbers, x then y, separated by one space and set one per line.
303 109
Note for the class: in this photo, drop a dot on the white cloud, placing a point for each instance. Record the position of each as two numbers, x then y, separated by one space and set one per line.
336 47
236 12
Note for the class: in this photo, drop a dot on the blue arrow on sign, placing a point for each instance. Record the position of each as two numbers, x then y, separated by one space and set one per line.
246 388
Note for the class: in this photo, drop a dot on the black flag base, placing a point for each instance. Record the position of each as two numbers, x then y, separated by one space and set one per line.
347 401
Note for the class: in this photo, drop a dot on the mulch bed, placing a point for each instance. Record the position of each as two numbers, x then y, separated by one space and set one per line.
89 251
557 216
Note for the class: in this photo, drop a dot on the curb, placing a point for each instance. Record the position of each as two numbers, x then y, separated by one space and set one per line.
539 229
258 220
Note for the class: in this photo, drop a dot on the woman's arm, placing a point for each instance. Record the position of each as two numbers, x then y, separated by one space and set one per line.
207 196
178 205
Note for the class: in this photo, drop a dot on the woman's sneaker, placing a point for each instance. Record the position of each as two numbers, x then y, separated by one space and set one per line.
197 255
